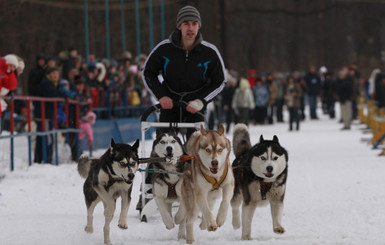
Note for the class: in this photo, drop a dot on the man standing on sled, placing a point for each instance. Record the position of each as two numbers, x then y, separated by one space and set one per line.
184 68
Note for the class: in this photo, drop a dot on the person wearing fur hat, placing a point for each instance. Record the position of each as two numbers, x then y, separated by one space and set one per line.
191 70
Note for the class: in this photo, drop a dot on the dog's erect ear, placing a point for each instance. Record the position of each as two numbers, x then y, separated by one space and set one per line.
275 139
136 145
173 131
112 146
261 139
158 132
221 129
203 131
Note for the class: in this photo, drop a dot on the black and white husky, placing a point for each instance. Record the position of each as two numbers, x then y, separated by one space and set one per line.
260 173
107 178
167 174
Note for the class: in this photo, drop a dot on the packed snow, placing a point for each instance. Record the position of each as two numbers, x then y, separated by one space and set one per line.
335 195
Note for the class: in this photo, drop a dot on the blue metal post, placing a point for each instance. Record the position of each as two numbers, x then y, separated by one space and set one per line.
56 150
44 147
86 29
12 154
137 20
162 25
151 27
107 30
11 124
122 25
29 131
29 150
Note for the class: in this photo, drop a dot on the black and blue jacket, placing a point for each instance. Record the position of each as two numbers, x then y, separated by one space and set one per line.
198 73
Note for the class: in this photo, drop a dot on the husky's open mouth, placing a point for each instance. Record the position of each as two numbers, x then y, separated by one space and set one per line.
269 175
169 155
214 170
128 181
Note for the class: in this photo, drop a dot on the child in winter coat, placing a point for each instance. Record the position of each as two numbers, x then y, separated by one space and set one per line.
293 95
243 101
86 124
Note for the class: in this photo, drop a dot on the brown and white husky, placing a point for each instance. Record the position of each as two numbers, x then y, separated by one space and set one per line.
209 177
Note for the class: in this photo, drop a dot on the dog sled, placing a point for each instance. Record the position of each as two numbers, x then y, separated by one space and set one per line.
148 205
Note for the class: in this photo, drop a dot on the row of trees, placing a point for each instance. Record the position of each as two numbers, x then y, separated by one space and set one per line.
266 35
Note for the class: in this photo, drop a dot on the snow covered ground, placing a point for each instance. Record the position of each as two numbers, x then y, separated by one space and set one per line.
335 195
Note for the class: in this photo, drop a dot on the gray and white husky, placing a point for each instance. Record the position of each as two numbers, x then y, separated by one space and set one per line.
169 145
108 178
260 173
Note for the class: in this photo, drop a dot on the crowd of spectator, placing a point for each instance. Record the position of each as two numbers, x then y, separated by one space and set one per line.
109 84
272 92
111 87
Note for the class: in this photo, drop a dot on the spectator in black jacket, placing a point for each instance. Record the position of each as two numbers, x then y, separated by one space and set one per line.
329 94
227 98
379 95
36 75
69 61
192 70
47 88
313 89
345 92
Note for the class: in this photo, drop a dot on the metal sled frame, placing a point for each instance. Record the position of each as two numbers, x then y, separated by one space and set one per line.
150 208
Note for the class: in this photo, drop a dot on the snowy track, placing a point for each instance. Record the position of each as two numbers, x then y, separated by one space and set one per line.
335 195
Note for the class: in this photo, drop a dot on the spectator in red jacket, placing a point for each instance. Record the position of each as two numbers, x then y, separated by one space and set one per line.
8 81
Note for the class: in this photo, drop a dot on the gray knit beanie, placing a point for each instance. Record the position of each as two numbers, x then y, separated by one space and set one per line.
188 13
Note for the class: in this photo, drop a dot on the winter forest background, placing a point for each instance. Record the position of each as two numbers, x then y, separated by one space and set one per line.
272 35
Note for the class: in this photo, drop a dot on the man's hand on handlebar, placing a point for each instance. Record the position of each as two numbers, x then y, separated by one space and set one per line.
194 106
166 102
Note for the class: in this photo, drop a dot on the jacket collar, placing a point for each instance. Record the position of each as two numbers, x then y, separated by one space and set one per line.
176 39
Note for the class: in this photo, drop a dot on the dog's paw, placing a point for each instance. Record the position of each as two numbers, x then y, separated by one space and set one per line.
181 234
188 241
203 225
279 230
221 220
246 237
236 223
122 226
169 223
212 227
89 229
170 226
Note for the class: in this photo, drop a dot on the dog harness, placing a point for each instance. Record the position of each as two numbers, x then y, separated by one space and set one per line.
264 188
216 184
171 189
112 180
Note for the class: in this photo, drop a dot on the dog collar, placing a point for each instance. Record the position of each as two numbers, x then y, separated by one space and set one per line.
216 184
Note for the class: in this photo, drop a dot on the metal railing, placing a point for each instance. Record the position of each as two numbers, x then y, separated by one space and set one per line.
44 131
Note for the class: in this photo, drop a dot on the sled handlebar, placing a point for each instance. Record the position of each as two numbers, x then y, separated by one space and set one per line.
157 107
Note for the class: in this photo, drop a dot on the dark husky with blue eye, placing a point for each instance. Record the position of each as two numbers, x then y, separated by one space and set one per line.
260 173
108 178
